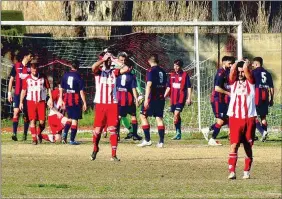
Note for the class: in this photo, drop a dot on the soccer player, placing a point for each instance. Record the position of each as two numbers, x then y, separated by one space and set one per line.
105 100
264 94
154 101
219 100
242 114
74 101
18 73
127 100
179 87
35 88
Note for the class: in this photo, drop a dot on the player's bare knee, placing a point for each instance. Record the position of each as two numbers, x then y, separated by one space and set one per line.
159 121
234 147
42 122
97 131
220 121
32 123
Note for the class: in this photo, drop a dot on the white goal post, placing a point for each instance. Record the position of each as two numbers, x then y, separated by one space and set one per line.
195 24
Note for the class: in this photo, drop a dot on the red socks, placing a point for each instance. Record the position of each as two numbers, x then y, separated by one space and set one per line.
114 142
232 162
248 163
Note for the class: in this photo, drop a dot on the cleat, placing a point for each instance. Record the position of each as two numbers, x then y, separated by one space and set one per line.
14 137
128 136
74 143
256 138
264 136
39 138
137 137
205 133
115 159
34 142
213 142
160 145
93 155
145 143
232 176
246 175
177 137
64 141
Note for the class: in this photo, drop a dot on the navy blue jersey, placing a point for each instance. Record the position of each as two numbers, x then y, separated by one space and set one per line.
124 85
221 80
263 81
158 77
72 83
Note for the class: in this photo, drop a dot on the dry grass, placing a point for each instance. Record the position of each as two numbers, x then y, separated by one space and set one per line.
185 169
260 23
169 11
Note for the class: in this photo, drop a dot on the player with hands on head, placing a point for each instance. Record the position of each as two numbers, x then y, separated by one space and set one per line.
106 103
242 114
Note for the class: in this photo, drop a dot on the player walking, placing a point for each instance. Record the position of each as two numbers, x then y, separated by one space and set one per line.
106 103
154 101
179 87
242 114
74 100
35 88
264 94
219 100
18 73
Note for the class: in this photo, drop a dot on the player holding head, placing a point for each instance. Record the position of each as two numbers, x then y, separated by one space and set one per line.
242 114
128 100
35 88
74 100
154 101
219 100
18 73
264 94
106 103
179 87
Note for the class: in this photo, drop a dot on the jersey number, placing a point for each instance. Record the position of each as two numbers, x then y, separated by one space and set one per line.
123 80
263 77
161 75
70 81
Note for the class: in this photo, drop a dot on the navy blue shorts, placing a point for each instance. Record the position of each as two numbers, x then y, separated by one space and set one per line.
16 104
262 108
176 107
220 110
74 112
124 110
156 109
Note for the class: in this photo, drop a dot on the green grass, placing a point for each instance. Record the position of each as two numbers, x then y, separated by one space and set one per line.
183 169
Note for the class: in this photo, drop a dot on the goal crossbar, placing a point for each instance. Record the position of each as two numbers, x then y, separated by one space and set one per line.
121 23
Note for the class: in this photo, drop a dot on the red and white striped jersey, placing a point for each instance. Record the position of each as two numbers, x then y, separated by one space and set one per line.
36 87
242 100
105 81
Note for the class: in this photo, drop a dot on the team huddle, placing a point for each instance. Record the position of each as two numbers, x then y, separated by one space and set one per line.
239 95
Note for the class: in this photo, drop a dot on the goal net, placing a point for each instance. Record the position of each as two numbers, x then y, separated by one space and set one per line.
56 52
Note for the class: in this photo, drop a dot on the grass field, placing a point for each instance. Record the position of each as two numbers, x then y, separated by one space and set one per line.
183 169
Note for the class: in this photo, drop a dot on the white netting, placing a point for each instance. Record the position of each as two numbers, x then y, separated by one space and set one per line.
55 53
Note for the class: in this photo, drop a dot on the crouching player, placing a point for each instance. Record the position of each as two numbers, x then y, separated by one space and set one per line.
242 114
179 87
35 88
